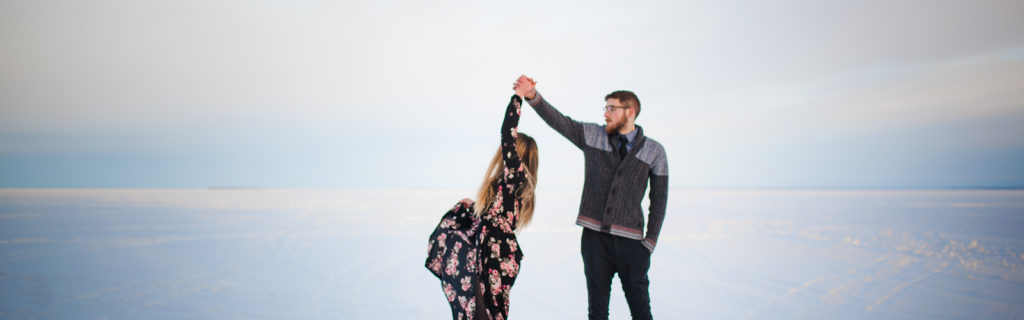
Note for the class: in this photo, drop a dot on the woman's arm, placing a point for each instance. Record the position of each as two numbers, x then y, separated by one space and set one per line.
514 172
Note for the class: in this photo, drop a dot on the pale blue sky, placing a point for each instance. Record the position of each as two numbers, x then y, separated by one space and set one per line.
409 94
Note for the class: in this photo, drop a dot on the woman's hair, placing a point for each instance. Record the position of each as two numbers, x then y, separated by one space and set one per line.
527 149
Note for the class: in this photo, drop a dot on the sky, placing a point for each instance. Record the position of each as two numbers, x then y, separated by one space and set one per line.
409 94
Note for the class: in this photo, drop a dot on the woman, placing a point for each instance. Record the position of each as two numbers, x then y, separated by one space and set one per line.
474 249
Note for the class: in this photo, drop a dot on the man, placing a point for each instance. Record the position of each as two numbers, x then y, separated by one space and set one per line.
620 161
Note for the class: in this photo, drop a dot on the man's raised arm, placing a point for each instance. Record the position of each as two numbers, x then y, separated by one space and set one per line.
569 128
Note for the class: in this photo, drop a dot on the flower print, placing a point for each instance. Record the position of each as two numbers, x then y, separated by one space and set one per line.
515 267
513 245
470 307
495 248
495 280
435 265
453 264
449 292
463 301
498 198
507 289
458 246
509 267
505 226
467 282
504 267
471 260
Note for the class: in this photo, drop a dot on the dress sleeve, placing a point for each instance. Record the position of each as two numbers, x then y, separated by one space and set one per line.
514 173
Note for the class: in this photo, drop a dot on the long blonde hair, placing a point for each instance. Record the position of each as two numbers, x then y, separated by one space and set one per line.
527 149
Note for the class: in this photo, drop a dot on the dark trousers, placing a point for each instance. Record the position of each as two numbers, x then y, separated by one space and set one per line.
603 256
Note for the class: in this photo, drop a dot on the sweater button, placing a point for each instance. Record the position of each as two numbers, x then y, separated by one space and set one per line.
613 191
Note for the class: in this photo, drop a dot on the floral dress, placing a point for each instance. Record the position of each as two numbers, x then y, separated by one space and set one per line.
478 258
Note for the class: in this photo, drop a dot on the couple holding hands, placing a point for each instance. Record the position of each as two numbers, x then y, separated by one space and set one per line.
474 250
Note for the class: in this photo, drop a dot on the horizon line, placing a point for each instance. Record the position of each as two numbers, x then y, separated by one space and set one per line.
254 188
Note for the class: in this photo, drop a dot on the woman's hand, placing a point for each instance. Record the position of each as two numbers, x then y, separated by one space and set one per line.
466 203
525 87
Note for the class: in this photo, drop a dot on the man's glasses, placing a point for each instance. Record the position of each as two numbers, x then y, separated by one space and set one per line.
610 108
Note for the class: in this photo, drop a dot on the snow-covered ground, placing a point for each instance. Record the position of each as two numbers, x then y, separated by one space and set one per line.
358 254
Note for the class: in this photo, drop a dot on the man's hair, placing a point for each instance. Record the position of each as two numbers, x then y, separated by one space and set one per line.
626 97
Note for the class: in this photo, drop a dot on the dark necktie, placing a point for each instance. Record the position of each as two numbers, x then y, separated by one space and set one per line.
622 146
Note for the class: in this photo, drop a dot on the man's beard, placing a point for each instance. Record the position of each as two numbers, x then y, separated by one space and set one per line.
614 127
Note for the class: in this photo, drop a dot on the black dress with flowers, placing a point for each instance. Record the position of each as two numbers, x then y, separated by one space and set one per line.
478 257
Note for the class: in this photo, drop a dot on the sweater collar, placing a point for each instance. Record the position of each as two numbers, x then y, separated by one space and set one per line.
633 136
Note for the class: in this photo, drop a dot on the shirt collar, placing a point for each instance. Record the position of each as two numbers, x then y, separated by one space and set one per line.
631 135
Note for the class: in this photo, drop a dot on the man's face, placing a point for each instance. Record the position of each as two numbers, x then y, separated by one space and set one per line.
615 116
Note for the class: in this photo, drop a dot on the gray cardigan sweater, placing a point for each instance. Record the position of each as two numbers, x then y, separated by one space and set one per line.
613 188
